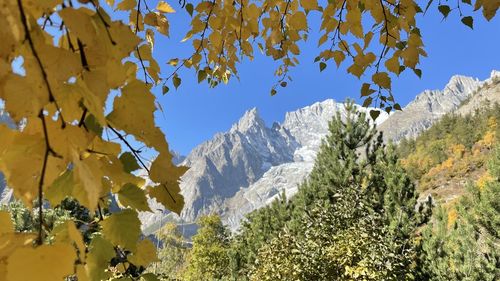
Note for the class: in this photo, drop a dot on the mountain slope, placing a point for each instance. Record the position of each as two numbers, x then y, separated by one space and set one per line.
428 107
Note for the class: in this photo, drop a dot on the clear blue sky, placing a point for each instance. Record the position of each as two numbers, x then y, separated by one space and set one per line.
195 113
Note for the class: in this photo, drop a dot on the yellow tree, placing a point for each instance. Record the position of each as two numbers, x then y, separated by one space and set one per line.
77 78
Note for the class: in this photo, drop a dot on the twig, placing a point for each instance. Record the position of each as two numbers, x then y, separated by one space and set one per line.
106 24
137 17
48 151
142 65
386 28
82 119
134 151
39 61
83 58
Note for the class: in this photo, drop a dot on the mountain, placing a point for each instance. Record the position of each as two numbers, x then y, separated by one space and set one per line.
485 95
250 165
428 107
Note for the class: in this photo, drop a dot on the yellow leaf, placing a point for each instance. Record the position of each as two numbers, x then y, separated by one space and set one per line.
125 40
58 63
6 225
89 173
410 56
100 254
122 229
21 97
133 113
339 57
162 169
164 7
163 25
145 254
81 273
132 196
61 188
46 263
392 64
129 162
168 195
126 5
367 39
355 70
22 163
67 232
9 243
309 4
382 79
298 21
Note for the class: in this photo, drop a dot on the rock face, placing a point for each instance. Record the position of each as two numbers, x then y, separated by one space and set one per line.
230 161
487 95
428 107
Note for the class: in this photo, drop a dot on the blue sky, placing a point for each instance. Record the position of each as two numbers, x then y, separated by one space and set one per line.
194 113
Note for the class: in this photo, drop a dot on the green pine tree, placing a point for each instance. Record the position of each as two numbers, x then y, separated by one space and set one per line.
462 242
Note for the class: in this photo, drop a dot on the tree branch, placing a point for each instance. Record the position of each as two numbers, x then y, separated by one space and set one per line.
135 152
39 61
48 151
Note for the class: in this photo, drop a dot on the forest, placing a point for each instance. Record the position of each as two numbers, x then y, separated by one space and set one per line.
83 153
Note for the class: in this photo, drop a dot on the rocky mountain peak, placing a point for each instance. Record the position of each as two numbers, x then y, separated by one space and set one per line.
495 73
428 107
249 120
461 84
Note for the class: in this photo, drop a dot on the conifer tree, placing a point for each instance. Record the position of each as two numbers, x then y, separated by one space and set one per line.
462 243
259 228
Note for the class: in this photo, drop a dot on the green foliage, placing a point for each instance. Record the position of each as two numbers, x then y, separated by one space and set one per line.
208 259
26 221
261 226
462 242
172 255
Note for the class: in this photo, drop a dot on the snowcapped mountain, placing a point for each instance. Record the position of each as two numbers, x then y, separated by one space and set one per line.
249 165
